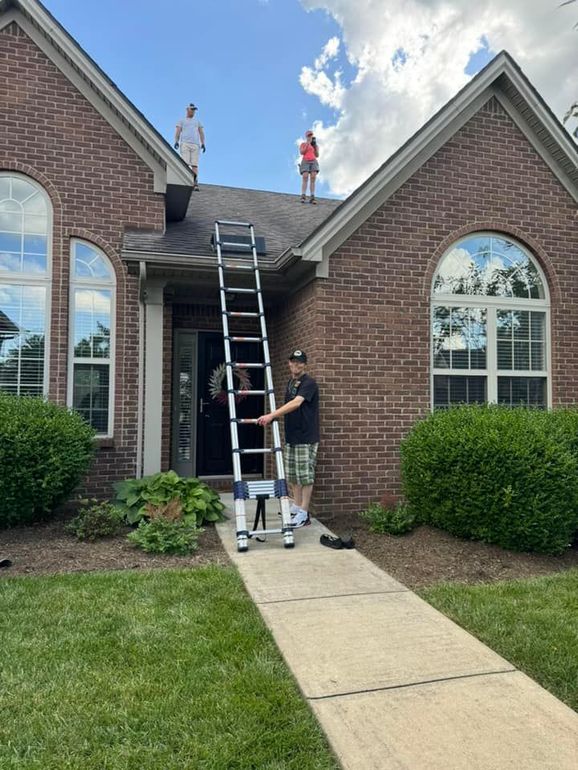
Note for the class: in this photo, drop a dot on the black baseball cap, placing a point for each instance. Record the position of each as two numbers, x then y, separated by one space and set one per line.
298 355
192 106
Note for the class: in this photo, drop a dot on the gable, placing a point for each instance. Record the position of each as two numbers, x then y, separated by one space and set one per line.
500 82
170 174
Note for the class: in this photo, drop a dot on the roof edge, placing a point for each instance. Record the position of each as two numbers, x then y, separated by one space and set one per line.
365 199
62 49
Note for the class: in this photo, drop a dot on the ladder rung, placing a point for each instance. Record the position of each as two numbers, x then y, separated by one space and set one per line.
238 365
234 245
266 532
263 451
246 339
245 420
241 314
229 266
233 224
234 290
250 392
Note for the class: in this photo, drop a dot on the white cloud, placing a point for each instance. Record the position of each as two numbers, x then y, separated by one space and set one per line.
315 80
409 57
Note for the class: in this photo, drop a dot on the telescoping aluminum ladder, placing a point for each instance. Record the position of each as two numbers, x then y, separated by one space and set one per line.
250 490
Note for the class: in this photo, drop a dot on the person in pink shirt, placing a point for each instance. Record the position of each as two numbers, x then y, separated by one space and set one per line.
309 166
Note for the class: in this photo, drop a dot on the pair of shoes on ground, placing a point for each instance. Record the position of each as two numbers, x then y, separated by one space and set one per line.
337 542
311 199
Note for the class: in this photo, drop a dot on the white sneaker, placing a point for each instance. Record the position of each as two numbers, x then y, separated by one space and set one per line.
300 519
294 509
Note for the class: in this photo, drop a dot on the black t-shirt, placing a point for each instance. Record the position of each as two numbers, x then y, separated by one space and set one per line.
302 425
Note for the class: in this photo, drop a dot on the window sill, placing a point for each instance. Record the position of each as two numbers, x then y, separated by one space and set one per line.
104 442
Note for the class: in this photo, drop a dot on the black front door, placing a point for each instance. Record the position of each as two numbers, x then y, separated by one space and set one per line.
213 450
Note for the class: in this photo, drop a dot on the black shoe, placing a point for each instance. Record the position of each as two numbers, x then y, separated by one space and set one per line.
331 542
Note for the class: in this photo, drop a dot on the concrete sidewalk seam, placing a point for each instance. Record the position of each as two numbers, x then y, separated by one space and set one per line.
412 684
333 596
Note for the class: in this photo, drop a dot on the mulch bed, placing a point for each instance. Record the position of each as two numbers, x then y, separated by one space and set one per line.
420 558
45 549
427 555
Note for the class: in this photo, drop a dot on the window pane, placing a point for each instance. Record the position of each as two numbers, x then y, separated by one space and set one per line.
460 338
11 263
89 263
22 333
441 337
92 313
521 324
522 391
538 361
491 266
10 221
90 394
538 325
22 189
10 242
521 355
450 390
34 244
504 354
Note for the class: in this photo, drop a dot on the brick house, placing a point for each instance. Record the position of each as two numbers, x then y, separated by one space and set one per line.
450 275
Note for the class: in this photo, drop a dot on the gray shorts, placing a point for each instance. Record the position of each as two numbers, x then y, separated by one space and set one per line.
308 166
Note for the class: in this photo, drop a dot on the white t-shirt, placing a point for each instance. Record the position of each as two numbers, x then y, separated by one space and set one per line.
190 131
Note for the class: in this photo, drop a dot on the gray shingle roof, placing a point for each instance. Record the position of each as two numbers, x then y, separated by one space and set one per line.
280 218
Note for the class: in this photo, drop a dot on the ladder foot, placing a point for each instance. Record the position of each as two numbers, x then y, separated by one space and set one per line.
242 544
288 540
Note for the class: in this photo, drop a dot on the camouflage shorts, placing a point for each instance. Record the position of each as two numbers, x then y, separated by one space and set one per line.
300 462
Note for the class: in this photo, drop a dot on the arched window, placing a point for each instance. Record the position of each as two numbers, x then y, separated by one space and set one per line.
25 254
490 325
92 318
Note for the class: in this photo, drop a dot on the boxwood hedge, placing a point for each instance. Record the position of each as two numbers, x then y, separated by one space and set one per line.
501 475
45 451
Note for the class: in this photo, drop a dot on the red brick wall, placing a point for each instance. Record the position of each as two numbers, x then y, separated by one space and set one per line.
371 316
98 186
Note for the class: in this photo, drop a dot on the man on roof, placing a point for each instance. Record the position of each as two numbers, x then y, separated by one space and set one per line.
190 137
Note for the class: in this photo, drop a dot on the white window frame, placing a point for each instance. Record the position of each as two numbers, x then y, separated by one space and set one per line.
492 305
92 283
32 279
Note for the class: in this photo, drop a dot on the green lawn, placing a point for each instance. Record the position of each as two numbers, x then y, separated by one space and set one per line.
532 623
134 671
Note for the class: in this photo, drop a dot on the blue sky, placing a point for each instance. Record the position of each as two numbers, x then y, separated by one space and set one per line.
365 73
238 60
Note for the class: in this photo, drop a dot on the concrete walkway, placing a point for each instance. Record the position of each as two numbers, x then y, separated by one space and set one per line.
394 684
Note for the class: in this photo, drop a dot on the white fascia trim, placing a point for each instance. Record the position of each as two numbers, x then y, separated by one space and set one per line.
452 118
103 97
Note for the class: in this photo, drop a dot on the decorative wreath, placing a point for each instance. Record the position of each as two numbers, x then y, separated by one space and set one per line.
218 384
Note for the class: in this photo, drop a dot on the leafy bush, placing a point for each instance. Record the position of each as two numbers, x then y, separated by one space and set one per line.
505 476
393 520
45 451
161 535
139 497
96 520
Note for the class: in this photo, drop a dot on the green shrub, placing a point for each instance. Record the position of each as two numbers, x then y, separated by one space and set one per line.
160 535
97 520
393 520
45 451
138 497
505 476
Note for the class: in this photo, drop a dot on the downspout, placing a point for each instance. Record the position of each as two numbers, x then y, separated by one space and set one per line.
141 372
